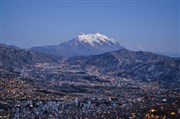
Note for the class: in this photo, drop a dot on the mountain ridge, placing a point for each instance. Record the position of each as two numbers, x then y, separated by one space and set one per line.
137 65
123 63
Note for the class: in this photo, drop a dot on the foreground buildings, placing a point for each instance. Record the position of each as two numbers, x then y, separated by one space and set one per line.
99 101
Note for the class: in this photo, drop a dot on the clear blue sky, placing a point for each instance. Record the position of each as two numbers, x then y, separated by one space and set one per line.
151 25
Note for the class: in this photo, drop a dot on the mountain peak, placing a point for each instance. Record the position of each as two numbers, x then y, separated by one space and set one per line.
93 39
82 45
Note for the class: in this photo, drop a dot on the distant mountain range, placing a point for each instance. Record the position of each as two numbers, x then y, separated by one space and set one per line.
144 66
82 45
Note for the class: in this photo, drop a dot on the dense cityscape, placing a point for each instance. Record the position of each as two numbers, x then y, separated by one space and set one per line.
39 86
19 100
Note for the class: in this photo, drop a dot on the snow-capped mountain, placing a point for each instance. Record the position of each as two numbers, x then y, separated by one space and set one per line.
95 39
82 45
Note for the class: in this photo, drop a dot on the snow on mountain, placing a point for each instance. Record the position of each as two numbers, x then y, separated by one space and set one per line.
95 38
82 45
